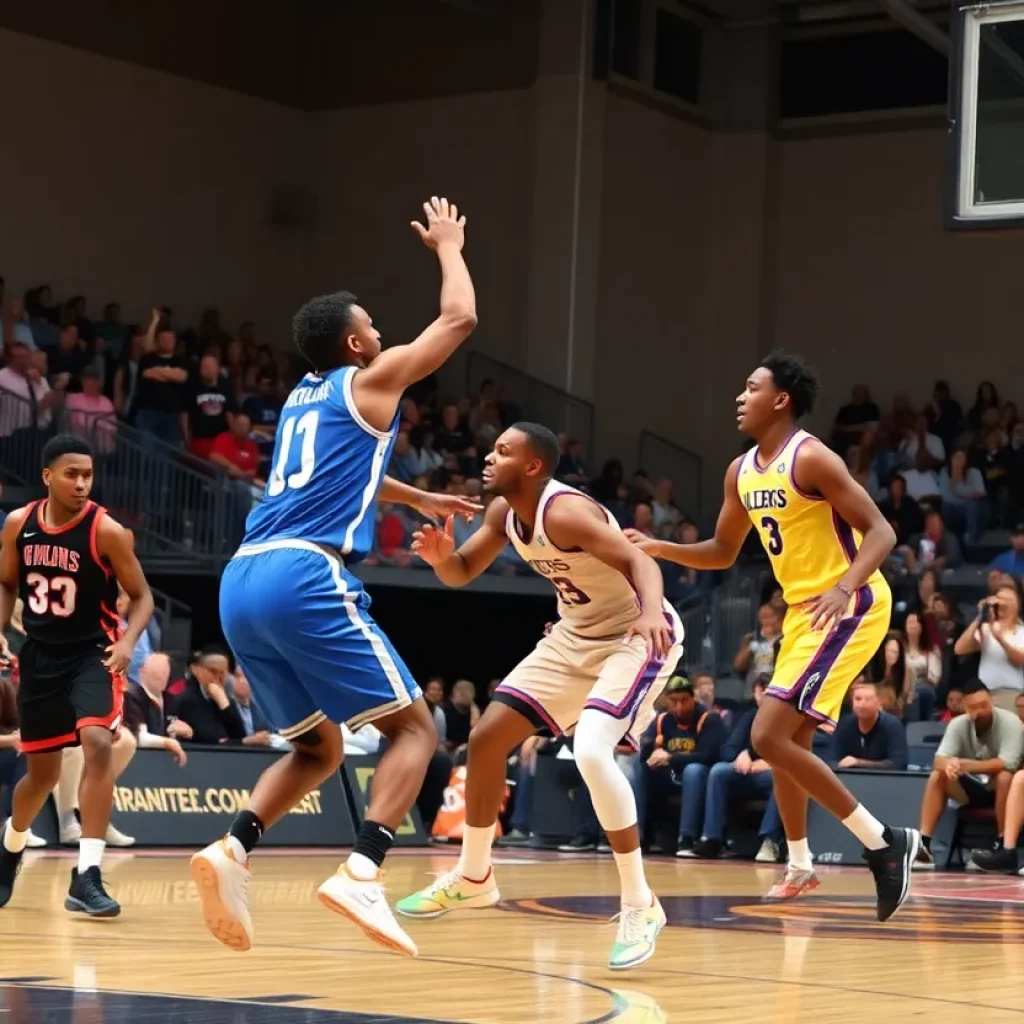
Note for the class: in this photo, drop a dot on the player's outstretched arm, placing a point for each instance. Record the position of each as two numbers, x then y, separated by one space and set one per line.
9 571
818 470
457 568
574 521
378 388
117 545
722 550
434 507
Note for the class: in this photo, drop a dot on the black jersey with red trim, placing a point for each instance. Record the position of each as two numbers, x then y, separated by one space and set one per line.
69 590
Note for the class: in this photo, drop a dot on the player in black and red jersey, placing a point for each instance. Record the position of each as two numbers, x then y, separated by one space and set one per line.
64 556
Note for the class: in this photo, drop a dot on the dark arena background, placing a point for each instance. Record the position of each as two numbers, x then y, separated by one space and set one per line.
658 193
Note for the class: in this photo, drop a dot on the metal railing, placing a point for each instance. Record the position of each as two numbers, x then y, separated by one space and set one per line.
714 625
183 511
659 457
535 399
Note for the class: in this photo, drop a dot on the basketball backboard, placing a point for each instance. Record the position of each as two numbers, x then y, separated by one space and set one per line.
986 181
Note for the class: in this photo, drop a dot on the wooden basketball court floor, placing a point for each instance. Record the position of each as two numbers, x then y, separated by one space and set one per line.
954 952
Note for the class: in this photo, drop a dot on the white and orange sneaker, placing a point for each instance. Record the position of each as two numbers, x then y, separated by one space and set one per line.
223 884
364 904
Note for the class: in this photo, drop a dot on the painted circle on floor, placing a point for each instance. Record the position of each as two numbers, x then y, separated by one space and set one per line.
840 916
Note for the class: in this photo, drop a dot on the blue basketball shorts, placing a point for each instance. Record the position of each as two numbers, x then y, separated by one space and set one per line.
298 623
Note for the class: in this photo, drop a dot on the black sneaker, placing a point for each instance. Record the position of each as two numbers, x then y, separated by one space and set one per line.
581 844
87 895
998 860
517 837
10 865
603 846
891 867
708 849
685 847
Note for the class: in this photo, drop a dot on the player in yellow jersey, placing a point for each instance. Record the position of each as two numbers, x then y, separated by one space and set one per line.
826 540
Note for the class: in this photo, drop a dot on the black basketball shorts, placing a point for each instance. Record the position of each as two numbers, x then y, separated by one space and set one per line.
63 689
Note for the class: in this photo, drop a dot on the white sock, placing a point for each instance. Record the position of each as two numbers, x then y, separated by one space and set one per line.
90 854
236 848
635 890
360 866
867 828
14 841
475 859
800 855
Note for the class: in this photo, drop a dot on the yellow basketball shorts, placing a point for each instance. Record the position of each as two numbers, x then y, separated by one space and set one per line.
815 669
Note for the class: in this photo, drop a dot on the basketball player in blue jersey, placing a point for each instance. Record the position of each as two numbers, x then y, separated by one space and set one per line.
297 619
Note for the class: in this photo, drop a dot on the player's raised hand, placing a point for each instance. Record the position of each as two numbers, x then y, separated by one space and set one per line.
648 545
436 507
444 225
434 545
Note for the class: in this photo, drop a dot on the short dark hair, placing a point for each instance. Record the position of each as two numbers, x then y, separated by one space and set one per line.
973 686
792 375
64 444
318 327
542 442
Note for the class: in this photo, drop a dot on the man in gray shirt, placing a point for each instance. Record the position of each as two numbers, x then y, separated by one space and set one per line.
980 751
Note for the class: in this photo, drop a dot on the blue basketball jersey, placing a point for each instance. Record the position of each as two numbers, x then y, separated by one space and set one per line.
326 471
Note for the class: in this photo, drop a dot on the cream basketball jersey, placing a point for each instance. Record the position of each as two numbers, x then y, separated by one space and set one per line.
594 600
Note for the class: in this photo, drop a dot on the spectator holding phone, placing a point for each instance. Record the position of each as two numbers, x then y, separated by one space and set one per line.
998 634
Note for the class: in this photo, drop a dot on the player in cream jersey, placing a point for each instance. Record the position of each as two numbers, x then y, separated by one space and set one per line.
600 668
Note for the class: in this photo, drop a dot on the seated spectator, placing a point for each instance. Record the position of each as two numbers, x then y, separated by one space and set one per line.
453 438
14 323
460 714
204 704
704 691
869 737
111 330
571 468
998 634
859 465
1016 474
666 514
643 519
985 398
210 408
923 486
22 389
393 537
899 419
1012 560
605 486
92 415
964 499
258 730
405 464
974 765
756 654
920 449
236 452
937 548
890 672
859 417
739 775
676 753
148 710
994 459
902 512
685 586
162 389
925 665
126 373
264 410
433 695
954 704
945 416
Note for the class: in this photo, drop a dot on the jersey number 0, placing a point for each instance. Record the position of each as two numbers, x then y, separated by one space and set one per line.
305 427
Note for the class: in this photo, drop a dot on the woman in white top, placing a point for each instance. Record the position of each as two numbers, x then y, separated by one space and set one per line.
998 633
924 664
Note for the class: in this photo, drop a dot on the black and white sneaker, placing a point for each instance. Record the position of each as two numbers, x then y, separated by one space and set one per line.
87 895
1000 860
10 865
892 867
581 844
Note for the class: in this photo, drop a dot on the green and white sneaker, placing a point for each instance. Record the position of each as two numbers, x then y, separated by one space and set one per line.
639 928
448 892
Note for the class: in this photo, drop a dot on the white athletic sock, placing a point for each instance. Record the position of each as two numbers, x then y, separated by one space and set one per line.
14 841
360 866
800 855
90 854
635 890
867 828
475 859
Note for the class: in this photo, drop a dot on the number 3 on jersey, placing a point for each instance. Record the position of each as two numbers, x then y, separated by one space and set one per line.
305 427
774 539
567 593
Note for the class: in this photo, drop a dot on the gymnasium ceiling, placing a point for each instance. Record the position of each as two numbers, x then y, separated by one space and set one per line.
309 54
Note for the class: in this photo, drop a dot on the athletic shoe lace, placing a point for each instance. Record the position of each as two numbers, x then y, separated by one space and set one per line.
632 925
442 882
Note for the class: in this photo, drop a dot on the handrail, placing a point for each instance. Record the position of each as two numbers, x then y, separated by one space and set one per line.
545 403
659 457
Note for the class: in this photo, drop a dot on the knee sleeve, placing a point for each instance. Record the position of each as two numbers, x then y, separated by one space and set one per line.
597 736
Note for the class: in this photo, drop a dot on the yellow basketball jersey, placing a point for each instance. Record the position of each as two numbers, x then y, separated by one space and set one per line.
809 544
